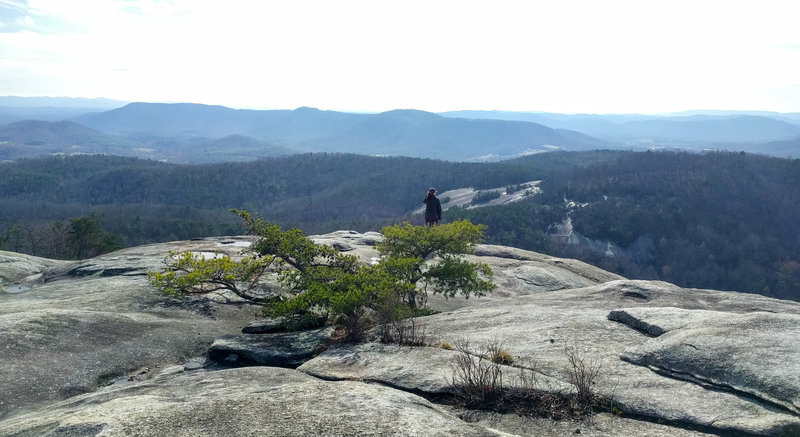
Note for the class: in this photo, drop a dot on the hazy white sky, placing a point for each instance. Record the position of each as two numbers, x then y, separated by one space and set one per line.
601 56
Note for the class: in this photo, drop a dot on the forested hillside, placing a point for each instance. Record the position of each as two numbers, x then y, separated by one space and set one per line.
32 138
718 220
151 201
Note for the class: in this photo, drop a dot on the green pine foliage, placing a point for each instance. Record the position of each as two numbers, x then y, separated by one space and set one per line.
194 273
432 256
321 281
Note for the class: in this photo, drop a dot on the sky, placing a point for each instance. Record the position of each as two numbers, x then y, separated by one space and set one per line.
568 56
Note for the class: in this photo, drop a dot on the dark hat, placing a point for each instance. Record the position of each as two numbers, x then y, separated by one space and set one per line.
432 190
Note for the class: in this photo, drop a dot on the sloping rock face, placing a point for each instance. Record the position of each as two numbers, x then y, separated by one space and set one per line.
747 353
539 330
674 361
728 370
20 272
253 401
82 325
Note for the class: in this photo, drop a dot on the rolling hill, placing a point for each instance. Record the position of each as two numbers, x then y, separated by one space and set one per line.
694 130
14 109
30 138
33 138
399 132
173 132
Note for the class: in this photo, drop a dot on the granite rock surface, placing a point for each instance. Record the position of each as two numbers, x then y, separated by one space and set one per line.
90 348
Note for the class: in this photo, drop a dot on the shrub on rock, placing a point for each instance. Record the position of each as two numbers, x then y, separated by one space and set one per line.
320 280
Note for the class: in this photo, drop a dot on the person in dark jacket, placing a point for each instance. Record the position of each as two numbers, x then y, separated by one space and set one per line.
433 208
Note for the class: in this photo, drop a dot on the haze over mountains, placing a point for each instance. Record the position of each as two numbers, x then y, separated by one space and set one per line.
398 132
760 132
195 133
50 108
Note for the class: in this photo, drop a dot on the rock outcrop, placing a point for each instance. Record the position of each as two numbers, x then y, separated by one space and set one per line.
753 353
86 324
250 401
285 349
674 361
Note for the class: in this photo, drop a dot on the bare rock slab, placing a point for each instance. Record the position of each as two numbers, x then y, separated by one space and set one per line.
419 369
16 268
83 324
537 329
755 353
251 401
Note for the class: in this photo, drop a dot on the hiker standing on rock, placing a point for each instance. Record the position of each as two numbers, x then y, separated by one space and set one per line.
433 208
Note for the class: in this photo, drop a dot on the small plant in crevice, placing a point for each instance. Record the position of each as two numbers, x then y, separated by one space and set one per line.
405 332
476 379
502 357
583 373
488 378
396 322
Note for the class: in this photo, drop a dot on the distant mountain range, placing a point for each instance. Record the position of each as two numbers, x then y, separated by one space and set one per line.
50 108
32 138
195 133
400 132
759 132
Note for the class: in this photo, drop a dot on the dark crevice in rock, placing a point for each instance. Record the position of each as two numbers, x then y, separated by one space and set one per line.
714 386
636 324
436 398
85 270
202 306
122 271
682 424
501 254
634 295
62 273
288 349
81 271
529 281
343 247
55 429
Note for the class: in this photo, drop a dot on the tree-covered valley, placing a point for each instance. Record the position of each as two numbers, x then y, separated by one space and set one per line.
717 220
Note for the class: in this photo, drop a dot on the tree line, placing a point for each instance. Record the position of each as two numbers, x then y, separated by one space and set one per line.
77 238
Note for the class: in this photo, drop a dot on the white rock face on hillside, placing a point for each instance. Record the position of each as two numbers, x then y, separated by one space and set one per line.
462 197
679 361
